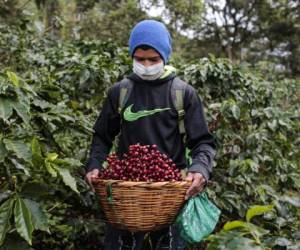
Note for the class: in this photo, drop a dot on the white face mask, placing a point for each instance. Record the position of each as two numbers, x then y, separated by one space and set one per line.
148 73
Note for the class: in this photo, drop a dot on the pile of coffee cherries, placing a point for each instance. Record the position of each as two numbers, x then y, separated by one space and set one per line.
141 163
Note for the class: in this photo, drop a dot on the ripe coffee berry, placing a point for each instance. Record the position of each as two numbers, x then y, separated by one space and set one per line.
141 163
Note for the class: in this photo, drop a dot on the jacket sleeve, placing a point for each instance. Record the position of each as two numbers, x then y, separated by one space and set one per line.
106 128
199 140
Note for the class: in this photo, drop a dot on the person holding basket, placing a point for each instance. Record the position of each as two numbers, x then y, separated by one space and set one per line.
152 106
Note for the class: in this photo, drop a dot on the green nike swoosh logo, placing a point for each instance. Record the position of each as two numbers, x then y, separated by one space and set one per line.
133 116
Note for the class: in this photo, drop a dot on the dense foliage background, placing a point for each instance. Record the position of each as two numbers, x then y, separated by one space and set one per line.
54 74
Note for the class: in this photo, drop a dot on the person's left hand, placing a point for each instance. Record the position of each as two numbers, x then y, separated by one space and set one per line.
198 183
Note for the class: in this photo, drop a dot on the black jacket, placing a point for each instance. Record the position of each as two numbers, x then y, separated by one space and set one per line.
160 128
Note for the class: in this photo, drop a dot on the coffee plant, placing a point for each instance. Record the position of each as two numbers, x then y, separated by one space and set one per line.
51 93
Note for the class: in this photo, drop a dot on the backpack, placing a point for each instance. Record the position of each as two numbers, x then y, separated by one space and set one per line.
177 93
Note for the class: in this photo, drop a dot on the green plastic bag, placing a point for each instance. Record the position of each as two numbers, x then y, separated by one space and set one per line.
197 219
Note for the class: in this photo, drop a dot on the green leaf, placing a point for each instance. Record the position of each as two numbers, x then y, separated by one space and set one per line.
5 108
36 190
283 242
39 218
293 200
67 178
257 230
234 224
50 169
5 213
13 78
74 104
22 111
42 104
84 76
236 112
230 240
258 210
21 149
68 161
242 243
40 26
20 166
51 156
23 220
14 242
3 151
5 195
273 125
35 147
36 151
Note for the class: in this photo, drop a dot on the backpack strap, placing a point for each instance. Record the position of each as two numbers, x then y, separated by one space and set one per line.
178 91
126 86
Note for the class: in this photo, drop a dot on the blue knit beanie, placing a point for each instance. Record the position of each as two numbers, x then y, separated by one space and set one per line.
153 34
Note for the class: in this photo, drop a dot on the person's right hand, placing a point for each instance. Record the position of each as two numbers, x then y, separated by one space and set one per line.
92 175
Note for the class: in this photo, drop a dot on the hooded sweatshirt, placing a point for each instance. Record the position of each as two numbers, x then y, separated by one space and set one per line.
160 128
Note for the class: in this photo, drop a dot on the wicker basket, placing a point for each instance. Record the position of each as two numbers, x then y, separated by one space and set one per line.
140 206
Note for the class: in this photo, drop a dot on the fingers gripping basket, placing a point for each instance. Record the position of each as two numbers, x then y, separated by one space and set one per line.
140 206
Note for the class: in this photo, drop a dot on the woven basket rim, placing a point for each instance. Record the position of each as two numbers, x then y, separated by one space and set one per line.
157 184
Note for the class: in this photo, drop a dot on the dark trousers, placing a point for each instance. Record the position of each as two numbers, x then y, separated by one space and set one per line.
167 238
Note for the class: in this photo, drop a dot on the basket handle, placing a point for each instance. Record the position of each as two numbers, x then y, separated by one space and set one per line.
109 193
110 199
